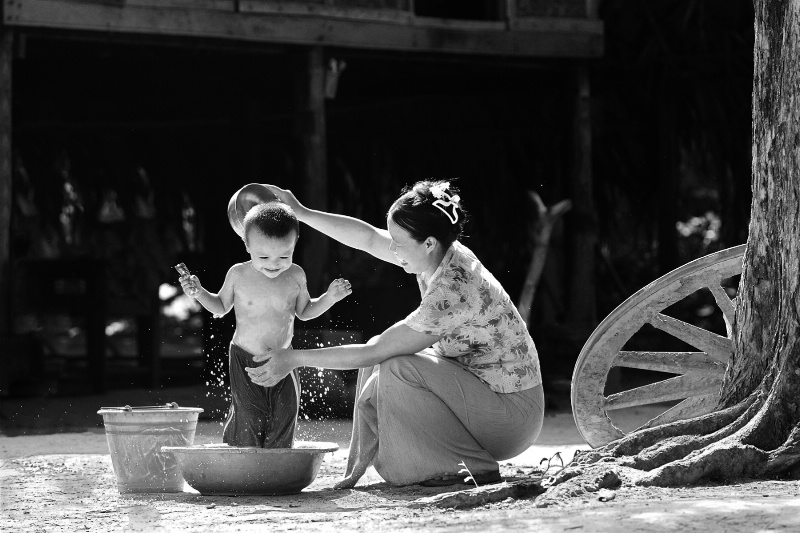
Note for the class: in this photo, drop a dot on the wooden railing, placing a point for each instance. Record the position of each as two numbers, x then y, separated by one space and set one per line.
514 29
408 10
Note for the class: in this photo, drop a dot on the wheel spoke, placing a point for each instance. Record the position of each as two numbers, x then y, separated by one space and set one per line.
716 346
725 305
671 362
670 389
690 407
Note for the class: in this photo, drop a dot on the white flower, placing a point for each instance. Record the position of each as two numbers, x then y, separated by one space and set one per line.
438 191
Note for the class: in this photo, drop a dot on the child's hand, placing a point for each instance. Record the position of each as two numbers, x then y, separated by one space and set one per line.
190 285
339 289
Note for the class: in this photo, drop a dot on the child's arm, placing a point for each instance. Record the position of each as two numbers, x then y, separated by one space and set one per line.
308 308
217 304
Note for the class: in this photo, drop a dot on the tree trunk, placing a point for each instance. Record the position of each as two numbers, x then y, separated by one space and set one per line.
756 430
766 343
767 312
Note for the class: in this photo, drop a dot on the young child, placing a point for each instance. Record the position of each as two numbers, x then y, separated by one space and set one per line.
266 294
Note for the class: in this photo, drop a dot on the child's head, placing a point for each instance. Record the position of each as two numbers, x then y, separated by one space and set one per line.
271 231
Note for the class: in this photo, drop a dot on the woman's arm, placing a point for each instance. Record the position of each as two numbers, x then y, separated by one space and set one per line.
350 231
397 340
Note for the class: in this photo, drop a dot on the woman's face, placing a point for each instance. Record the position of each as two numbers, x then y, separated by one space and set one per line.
414 257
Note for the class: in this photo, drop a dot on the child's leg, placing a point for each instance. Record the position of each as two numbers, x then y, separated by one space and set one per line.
243 426
284 403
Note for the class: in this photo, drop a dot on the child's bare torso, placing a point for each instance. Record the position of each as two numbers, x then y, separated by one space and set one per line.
265 308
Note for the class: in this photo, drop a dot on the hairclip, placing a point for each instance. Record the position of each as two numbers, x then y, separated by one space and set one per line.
444 201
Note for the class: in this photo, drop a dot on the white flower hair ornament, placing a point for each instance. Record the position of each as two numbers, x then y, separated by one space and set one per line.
446 203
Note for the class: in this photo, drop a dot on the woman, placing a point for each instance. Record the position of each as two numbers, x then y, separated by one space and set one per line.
456 381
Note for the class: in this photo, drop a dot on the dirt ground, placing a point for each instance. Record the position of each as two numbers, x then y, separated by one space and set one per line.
63 481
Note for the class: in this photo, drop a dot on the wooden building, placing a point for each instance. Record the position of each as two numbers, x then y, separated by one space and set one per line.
297 54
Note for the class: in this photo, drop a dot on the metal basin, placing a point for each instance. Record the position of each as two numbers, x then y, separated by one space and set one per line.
245 199
219 469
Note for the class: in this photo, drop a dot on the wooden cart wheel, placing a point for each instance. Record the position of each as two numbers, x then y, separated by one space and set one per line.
698 374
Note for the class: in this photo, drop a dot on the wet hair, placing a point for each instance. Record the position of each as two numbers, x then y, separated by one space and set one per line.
415 212
272 219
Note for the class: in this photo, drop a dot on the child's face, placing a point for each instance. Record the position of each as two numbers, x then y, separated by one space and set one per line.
270 256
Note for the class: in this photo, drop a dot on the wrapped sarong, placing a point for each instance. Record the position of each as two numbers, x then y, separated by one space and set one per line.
264 417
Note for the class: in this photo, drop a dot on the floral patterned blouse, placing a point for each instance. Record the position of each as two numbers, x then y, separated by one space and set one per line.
479 325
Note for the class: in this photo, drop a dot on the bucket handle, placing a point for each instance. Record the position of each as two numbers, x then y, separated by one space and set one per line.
170 405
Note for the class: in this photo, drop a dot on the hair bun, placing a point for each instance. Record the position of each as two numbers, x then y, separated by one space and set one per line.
430 208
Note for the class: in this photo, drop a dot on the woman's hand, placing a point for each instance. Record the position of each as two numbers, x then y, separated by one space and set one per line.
286 196
278 365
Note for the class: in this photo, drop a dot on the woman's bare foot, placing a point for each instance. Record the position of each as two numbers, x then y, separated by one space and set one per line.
347 483
351 479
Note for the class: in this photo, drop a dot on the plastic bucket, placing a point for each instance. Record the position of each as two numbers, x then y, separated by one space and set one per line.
135 437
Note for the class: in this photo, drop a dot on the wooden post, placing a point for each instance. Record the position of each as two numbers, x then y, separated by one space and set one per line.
510 13
6 58
312 160
592 9
583 237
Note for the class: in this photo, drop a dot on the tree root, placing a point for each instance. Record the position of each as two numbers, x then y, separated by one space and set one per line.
469 498
638 441
714 446
727 459
722 460
748 440
787 456
678 447
574 482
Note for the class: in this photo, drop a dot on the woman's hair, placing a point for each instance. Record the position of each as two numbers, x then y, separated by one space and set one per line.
430 209
272 219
